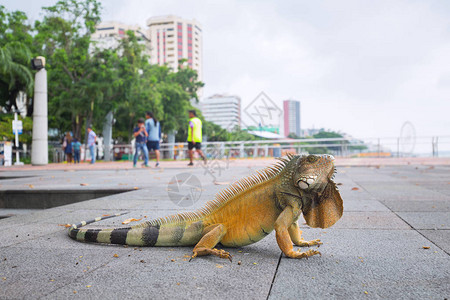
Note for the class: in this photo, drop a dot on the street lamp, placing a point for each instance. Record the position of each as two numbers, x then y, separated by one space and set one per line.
39 148
38 63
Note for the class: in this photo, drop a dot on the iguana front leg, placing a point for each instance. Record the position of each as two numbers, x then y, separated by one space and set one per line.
296 236
213 235
282 224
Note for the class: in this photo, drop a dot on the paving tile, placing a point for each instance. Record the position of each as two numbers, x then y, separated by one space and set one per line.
401 191
372 248
18 234
417 206
160 277
440 237
357 261
366 205
427 220
30 274
371 220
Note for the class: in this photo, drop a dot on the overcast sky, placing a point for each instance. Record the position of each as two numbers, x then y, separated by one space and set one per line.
359 67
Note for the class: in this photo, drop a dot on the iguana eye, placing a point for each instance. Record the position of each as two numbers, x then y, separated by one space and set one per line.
311 158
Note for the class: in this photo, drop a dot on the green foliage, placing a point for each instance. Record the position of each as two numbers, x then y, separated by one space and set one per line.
326 135
241 135
326 149
26 160
14 27
153 88
6 128
215 133
136 87
293 136
63 37
15 55
177 89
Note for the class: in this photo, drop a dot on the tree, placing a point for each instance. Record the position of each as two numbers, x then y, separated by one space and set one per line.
153 88
177 89
241 135
64 38
138 80
214 132
327 135
15 54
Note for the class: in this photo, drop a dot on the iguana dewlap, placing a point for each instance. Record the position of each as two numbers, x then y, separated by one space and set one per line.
244 213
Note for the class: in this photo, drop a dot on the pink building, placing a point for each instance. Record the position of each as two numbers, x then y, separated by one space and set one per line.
291 110
173 38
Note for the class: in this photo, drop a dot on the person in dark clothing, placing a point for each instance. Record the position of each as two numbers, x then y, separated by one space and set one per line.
141 135
68 147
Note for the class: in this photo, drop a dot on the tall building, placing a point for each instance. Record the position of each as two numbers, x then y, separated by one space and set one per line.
108 34
291 110
223 110
172 39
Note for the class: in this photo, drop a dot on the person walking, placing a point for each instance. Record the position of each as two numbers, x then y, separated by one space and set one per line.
92 138
68 147
141 136
153 128
76 146
194 137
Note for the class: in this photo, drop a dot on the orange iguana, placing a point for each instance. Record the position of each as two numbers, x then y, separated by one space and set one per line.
244 213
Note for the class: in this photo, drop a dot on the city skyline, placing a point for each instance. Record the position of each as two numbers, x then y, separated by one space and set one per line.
359 67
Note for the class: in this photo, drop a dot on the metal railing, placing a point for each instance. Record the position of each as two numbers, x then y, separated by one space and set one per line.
432 146
374 147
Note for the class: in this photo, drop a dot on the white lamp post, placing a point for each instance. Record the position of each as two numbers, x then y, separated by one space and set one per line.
39 151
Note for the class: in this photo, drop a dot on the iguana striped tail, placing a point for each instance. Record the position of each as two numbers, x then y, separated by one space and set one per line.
84 223
159 232
89 235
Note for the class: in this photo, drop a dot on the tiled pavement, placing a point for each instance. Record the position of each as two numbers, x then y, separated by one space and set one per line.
393 211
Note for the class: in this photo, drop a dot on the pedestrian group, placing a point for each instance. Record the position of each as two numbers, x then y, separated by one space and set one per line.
148 136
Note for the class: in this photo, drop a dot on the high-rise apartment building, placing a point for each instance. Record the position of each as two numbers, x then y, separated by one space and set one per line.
223 110
291 110
108 34
172 39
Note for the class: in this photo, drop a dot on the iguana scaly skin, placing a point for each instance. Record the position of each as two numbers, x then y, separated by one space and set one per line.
244 213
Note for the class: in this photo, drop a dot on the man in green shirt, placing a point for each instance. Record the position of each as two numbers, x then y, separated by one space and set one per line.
195 137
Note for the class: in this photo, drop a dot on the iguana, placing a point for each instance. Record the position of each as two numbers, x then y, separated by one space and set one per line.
244 213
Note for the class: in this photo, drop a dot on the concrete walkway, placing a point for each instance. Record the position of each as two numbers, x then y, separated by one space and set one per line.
260 162
393 241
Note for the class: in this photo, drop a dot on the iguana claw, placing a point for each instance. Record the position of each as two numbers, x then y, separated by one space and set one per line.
304 243
193 256
217 252
305 254
222 254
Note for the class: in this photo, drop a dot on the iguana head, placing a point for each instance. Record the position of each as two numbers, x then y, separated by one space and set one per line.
322 204
314 172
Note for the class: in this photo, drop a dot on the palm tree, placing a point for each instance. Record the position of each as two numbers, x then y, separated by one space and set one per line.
15 73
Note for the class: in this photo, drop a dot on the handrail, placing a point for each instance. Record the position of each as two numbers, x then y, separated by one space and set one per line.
346 147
